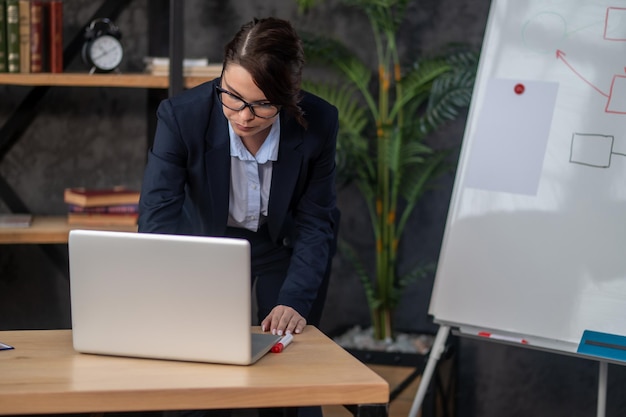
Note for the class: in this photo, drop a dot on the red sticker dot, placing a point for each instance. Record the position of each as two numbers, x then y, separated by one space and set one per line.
519 88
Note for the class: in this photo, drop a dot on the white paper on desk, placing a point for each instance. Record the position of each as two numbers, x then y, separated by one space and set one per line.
15 220
511 135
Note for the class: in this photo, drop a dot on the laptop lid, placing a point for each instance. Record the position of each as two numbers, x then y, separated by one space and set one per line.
163 296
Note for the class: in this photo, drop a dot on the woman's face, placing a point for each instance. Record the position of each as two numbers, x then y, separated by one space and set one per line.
238 81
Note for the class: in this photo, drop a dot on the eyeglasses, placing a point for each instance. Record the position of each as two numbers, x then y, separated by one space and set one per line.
236 103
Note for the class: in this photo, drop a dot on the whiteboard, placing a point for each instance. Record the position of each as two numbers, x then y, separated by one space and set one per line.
535 240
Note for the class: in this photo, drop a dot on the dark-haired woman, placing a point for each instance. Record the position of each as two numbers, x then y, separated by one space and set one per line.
250 155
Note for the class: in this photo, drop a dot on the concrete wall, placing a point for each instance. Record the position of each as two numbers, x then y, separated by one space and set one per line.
97 137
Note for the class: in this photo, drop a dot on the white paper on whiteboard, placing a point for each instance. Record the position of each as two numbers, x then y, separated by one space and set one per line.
511 136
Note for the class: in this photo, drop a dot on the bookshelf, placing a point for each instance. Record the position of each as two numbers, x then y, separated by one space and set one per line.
138 80
49 230
54 229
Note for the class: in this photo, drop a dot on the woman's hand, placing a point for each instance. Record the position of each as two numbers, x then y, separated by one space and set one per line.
283 320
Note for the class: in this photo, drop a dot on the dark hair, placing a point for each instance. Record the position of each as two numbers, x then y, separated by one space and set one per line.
271 51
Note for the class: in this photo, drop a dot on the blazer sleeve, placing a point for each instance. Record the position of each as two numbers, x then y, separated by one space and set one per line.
162 191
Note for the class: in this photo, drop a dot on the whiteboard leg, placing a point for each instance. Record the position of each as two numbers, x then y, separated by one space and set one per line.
602 388
435 353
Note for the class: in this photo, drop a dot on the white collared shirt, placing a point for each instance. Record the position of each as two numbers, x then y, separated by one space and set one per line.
250 179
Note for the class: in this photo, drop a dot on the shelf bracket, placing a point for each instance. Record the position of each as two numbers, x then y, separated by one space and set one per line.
176 47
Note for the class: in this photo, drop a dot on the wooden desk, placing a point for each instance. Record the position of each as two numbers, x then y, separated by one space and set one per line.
49 229
43 374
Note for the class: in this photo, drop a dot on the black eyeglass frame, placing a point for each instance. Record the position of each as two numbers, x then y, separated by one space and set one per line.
245 104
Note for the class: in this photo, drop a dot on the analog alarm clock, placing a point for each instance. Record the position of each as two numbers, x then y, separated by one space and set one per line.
102 50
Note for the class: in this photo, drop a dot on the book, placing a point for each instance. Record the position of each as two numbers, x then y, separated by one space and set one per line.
24 12
36 36
85 197
199 67
13 35
55 32
163 61
15 220
209 71
121 208
3 37
102 219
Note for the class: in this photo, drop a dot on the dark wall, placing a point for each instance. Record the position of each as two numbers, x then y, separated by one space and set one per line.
97 137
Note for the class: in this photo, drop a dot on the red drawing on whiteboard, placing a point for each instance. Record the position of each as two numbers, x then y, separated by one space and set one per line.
613 31
561 55
613 24
617 90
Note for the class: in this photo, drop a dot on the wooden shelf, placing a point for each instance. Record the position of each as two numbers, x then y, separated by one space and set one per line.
71 79
49 230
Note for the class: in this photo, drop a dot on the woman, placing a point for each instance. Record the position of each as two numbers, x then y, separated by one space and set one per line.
250 155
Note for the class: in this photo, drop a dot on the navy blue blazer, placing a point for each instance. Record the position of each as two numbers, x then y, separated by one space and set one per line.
186 183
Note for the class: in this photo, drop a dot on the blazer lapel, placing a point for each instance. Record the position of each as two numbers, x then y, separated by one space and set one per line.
217 163
285 173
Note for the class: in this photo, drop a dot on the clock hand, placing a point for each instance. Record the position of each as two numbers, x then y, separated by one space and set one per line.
105 52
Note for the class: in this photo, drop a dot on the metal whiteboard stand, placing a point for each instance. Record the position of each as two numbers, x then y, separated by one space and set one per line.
435 353
438 348
602 388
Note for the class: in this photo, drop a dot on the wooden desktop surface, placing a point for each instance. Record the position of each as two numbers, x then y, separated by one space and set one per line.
43 374
49 230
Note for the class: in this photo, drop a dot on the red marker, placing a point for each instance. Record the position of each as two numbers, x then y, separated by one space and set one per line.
519 88
503 338
282 343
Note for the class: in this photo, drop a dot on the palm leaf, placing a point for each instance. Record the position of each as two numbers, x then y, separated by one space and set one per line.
370 292
452 91
417 85
418 272
352 147
385 15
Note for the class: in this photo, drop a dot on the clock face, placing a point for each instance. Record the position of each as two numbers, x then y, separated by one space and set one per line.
106 52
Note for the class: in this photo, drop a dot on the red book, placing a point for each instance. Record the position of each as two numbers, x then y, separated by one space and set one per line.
100 197
121 208
24 10
36 36
102 219
55 14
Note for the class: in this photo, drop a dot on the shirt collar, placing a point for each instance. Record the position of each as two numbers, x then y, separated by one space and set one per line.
268 150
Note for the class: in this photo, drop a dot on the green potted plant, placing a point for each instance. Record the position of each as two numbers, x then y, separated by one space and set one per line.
385 121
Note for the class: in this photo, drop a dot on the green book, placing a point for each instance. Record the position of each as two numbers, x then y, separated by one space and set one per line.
13 35
3 37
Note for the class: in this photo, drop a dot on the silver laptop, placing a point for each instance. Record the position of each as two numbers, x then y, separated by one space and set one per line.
163 296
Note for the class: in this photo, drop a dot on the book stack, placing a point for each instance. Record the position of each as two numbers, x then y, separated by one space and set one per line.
102 207
199 67
31 36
